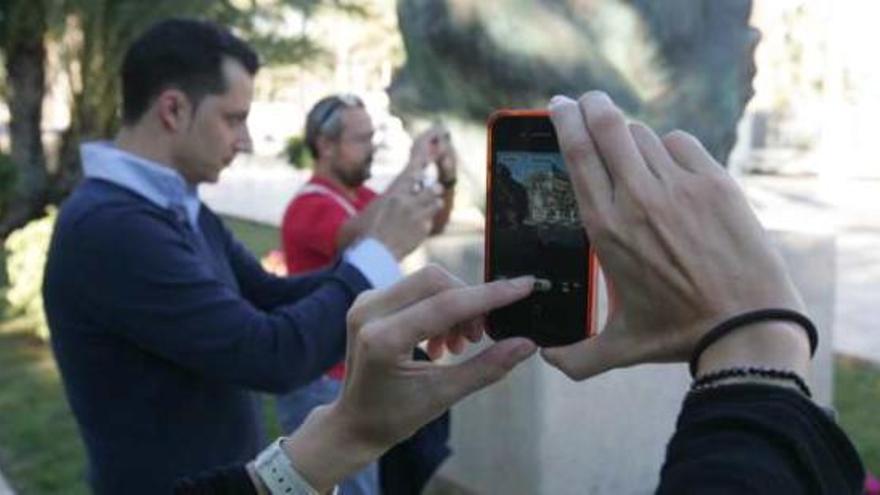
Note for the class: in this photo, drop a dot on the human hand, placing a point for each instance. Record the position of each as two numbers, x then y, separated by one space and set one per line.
387 395
402 218
429 145
447 156
434 145
674 234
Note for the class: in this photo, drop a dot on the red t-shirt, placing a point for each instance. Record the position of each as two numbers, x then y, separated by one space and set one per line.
310 226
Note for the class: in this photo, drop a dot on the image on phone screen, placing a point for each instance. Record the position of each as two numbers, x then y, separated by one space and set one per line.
536 229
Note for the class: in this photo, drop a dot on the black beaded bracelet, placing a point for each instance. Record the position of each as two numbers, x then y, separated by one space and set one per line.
710 379
749 318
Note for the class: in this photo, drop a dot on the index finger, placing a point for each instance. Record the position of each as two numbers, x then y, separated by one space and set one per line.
422 284
439 313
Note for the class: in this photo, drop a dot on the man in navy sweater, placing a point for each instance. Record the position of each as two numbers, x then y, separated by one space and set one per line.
162 323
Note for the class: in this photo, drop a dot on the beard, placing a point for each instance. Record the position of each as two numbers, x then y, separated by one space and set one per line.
355 178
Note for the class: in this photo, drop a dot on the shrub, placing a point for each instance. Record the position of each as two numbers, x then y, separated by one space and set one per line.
26 250
297 153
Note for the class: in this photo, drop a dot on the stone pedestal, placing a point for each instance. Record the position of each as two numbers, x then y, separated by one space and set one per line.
539 433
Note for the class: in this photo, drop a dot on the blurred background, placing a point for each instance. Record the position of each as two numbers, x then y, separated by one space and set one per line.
784 93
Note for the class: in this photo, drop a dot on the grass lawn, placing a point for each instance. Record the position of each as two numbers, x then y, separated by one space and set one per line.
40 450
41 453
857 400
259 238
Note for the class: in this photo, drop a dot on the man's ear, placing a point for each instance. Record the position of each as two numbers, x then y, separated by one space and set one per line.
173 108
326 147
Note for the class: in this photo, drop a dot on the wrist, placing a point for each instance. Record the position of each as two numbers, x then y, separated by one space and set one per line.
326 449
396 251
259 486
771 344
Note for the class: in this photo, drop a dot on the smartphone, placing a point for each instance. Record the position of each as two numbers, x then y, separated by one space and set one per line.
533 228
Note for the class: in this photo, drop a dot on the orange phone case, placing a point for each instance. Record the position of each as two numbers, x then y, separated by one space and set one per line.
590 325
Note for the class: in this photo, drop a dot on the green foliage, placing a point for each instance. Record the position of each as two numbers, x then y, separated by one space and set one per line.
26 250
93 56
257 237
267 27
8 176
856 390
298 154
107 28
19 19
42 452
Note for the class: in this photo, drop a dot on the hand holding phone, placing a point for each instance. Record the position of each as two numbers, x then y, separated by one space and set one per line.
678 240
533 228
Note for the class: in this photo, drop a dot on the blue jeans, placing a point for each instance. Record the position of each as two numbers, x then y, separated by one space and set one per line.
293 408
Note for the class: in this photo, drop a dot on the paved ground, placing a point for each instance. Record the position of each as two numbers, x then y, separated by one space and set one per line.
846 209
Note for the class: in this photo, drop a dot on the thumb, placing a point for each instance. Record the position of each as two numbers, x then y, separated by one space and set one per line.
592 356
484 369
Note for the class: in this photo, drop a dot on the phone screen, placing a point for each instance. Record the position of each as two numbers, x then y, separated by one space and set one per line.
535 230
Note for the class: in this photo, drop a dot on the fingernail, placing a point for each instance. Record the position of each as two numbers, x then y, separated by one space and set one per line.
526 282
599 98
525 348
556 100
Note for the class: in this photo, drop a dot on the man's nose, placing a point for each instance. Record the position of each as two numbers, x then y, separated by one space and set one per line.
243 142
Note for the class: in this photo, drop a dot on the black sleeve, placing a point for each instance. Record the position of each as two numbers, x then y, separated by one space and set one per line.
233 480
758 439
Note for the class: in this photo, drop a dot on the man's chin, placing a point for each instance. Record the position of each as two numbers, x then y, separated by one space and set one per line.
213 177
366 175
218 172
355 182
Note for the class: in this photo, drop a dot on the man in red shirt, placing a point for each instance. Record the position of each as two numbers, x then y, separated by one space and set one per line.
335 207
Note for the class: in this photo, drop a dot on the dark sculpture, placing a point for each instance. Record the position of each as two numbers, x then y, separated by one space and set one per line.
684 64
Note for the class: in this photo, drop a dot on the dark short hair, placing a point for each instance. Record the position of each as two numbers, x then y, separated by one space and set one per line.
325 119
186 54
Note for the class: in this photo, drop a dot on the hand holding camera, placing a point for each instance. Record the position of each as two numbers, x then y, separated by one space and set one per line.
676 238
433 146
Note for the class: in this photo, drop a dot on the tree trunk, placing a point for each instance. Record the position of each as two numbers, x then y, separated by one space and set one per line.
25 57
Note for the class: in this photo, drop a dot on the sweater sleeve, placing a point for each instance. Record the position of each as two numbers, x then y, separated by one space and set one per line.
758 439
262 289
233 480
153 287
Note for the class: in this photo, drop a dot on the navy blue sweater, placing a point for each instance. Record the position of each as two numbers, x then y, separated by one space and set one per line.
161 334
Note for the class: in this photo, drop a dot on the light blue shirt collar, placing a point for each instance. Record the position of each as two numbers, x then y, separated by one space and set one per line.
157 183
